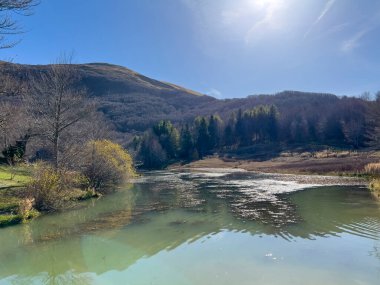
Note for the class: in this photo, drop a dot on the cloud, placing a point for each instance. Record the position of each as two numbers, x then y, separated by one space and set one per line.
268 21
214 93
323 13
354 41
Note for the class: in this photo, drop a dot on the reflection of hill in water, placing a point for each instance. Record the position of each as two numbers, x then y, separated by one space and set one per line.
169 210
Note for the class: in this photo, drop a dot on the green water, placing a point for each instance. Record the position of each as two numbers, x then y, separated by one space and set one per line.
202 228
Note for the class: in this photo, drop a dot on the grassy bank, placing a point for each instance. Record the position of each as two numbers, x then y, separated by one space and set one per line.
15 208
12 179
16 176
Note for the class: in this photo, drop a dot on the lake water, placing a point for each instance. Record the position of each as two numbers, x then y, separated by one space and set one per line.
203 227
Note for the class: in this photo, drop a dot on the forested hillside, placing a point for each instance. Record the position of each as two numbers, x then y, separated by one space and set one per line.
133 104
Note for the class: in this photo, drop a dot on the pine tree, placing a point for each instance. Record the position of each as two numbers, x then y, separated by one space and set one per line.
186 143
214 131
203 137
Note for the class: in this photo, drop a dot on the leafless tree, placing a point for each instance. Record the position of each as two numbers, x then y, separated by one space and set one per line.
58 108
373 120
353 131
8 25
13 123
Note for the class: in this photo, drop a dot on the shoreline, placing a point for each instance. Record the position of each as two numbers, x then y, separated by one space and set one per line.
304 171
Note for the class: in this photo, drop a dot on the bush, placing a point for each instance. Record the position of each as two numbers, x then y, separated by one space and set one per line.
106 164
375 187
50 188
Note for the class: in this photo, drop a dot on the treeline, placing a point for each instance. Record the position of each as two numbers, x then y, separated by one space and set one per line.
353 123
164 143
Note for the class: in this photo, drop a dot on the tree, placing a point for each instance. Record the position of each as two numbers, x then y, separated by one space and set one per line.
203 137
186 143
366 96
272 126
12 124
13 121
229 136
57 107
106 164
151 152
353 131
9 26
373 121
214 130
168 137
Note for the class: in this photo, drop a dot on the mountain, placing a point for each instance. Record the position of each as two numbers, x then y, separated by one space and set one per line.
134 102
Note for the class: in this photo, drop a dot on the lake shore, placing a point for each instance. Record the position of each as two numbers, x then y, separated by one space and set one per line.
304 169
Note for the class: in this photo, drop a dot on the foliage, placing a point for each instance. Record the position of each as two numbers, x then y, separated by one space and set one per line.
50 188
168 137
203 138
152 154
106 164
187 149
375 187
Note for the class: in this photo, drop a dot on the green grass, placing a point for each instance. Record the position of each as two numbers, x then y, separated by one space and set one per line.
21 175
7 220
8 204
11 219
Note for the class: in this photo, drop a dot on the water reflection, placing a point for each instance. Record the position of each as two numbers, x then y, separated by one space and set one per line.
167 211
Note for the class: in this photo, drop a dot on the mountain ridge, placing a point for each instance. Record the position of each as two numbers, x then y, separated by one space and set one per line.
134 102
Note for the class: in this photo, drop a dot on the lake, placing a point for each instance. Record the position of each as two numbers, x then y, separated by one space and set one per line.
203 227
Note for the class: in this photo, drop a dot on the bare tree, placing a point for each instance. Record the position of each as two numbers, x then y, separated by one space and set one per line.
9 26
58 106
373 119
353 131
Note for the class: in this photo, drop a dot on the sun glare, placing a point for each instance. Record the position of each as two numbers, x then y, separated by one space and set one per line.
262 4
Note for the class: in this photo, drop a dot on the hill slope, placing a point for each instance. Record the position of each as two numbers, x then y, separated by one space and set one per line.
130 100
134 102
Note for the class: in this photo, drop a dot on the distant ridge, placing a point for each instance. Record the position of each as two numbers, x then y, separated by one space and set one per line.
134 102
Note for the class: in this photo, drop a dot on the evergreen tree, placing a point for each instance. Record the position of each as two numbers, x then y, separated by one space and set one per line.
186 143
152 154
214 131
229 131
203 137
168 137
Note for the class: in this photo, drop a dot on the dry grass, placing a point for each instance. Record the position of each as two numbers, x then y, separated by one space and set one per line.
334 154
372 169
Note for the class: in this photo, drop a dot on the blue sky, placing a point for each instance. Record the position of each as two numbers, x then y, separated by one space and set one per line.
225 48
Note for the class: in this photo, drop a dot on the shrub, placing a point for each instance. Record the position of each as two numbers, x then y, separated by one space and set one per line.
375 187
106 164
50 188
372 169
25 207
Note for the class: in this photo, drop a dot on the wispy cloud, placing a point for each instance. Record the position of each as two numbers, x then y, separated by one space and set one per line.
214 93
329 4
354 41
268 21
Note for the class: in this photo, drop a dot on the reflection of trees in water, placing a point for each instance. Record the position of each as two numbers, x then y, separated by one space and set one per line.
50 278
202 207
